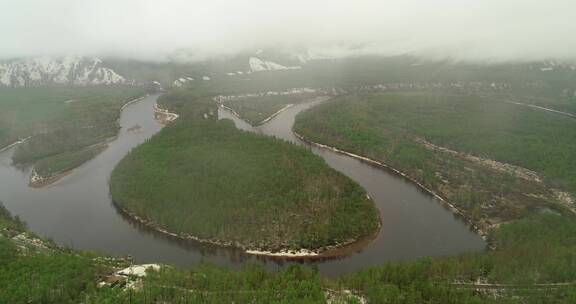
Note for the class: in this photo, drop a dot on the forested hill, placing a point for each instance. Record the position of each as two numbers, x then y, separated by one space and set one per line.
198 175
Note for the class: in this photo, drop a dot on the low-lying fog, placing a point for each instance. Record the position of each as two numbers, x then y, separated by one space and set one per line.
193 30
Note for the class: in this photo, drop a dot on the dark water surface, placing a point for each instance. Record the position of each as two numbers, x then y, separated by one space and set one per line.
77 210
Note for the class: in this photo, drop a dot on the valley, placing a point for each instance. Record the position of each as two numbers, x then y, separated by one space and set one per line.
381 192
287 152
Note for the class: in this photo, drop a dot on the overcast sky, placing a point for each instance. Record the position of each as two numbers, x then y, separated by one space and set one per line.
154 29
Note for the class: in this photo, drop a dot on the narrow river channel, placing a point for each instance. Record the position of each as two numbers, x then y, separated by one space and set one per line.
77 210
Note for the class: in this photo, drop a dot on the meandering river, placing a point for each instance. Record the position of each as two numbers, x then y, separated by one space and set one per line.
77 210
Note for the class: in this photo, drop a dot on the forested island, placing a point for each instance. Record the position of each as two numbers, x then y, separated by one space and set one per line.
202 179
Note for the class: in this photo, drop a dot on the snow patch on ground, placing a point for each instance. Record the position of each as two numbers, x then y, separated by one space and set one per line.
286 253
293 91
259 65
343 296
181 81
164 116
138 270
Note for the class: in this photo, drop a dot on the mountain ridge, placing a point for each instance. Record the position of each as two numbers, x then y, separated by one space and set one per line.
68 70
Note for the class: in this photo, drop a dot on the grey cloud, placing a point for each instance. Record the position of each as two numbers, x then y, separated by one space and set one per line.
154 29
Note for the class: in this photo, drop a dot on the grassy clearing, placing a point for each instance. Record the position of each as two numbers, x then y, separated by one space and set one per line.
205 178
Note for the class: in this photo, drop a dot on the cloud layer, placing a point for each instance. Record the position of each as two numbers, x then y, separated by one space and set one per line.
155 29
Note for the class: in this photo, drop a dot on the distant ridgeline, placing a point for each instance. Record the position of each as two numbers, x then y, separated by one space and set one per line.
281 70
72 70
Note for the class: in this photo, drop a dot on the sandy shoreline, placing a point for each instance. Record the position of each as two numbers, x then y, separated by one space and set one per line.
37 181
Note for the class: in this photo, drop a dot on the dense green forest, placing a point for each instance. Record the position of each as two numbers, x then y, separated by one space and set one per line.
532 256
35 271
64 122
188 166
391 126
202 177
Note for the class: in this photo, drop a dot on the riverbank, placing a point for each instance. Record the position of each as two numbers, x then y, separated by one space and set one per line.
395 131
164 116
37 180
71 161
275 114
376 182
63 275
21 141
483 232
329 252
259 108
258 123
133 101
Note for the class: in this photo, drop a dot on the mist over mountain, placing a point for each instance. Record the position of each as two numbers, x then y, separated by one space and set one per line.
192 30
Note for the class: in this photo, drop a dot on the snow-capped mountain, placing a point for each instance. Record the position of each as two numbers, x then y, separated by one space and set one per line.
259 65
70 70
